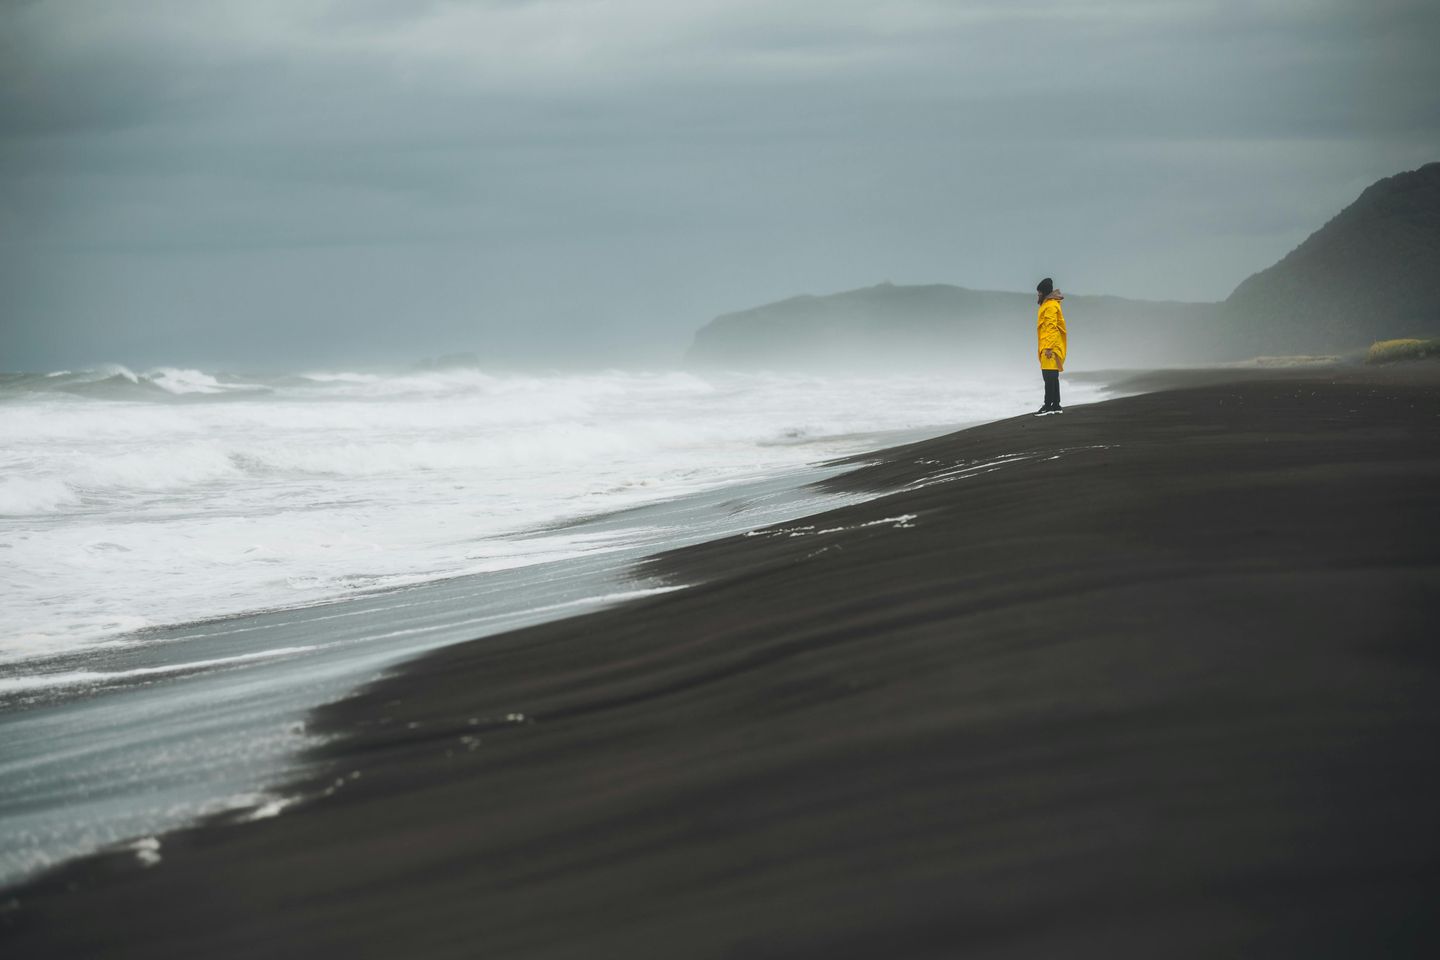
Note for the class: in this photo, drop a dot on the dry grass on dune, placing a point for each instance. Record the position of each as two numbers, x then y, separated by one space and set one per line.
1391 351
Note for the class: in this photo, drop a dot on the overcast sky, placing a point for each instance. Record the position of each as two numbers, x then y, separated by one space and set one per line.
287 183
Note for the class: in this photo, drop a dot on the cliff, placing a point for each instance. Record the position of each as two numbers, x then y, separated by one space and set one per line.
1368 274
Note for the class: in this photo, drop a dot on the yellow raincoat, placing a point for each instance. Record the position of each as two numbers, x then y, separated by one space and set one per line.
1050 327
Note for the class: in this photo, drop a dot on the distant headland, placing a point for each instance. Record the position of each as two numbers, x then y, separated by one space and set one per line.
1366 275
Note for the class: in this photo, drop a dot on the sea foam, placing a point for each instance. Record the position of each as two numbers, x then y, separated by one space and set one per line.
73 678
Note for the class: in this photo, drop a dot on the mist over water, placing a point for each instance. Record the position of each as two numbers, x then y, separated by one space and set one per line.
130 500
194 557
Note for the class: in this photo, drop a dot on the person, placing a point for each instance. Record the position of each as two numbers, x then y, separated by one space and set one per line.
1050 328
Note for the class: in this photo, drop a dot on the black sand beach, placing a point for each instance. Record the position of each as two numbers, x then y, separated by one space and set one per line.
1157 677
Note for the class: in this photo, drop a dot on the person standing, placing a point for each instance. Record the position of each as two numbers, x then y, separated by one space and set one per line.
1050 328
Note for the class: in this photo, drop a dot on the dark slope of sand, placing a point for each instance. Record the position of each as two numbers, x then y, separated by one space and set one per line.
1163 684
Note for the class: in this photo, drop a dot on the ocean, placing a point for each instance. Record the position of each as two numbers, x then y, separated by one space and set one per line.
191 560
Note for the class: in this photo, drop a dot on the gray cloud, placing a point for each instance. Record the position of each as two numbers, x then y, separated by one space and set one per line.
233 182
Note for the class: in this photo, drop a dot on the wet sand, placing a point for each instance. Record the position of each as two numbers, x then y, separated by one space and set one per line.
1156 677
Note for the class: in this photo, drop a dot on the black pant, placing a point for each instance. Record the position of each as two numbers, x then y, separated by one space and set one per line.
1052 387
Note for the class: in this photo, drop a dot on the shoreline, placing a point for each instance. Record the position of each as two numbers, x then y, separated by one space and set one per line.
1151 671
135 743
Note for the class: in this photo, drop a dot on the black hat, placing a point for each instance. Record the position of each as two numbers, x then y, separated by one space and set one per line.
1044 287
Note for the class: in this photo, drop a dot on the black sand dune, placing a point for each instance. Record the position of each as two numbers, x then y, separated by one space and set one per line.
1155 678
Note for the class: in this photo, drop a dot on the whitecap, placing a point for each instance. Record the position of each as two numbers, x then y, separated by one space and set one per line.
22 497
